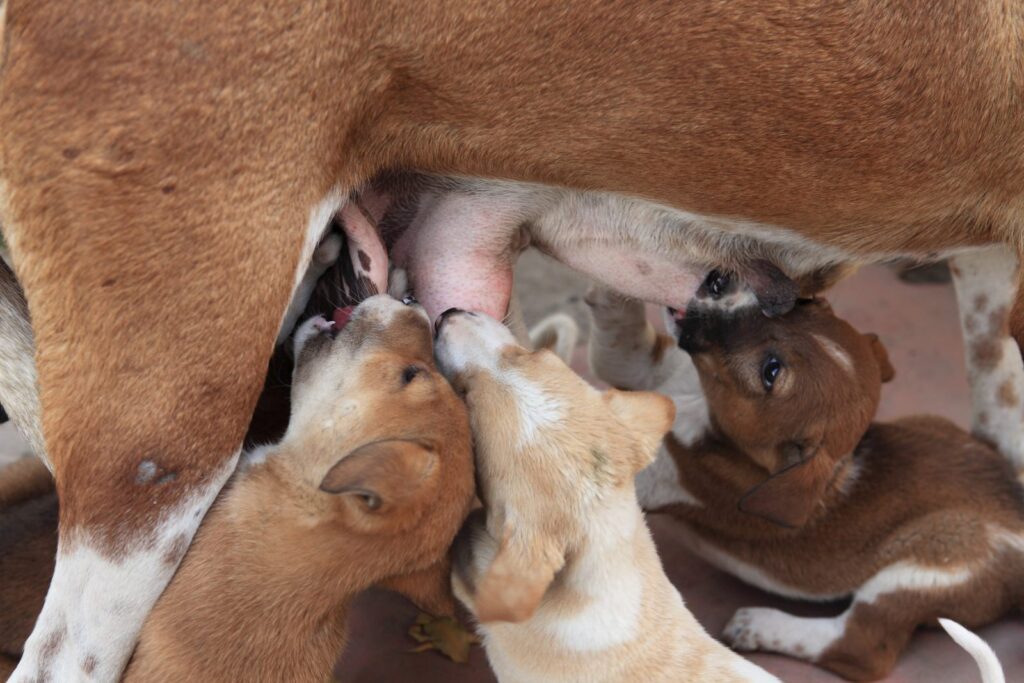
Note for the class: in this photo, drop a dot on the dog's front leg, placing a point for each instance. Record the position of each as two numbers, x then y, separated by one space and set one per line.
157 191
986 286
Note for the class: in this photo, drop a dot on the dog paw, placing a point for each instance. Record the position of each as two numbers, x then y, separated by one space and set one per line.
741 631
398 283
328 251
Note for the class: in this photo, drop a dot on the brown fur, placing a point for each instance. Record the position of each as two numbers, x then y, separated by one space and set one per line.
865 496
164 159
292 539
561 518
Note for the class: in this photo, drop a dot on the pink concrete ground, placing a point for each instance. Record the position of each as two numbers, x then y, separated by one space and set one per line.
918 325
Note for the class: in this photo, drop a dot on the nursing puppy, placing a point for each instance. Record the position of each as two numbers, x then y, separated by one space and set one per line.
563 575
781 478
368 486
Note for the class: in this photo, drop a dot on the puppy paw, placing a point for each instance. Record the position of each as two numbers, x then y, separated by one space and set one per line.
328 251
741 633
398 283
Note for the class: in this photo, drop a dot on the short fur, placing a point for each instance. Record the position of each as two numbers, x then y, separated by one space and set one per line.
563 575
341 503
797 491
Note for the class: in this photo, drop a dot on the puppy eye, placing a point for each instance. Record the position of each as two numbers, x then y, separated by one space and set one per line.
770 371
717 282
410 373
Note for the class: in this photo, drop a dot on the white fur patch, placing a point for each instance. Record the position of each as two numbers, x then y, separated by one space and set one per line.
537 409
835 352
907 576
764 628
96 605
306 274
985 281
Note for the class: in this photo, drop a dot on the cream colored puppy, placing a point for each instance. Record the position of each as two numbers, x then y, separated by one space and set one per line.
563 575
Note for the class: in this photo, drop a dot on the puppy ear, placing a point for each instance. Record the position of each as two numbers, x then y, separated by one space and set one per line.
648 414
381 476
882 356
776 293
789 496
519 575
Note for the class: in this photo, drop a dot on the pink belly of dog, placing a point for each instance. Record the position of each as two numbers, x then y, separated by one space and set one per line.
463 255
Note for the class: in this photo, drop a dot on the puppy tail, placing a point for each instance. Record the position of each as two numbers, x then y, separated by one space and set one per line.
988 663
557 332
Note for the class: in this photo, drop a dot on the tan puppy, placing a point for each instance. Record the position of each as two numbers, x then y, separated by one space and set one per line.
368 486
778 473
564 553
160 160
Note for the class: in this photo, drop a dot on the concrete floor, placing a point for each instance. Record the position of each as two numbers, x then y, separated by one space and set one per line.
918 325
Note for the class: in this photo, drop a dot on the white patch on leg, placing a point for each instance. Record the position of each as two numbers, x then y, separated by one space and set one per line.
986 285
305 274
907 576
96 605
764 628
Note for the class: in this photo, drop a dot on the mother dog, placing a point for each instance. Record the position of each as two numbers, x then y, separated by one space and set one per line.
166 169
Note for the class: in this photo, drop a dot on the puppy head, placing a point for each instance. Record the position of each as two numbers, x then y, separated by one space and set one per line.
794 393
550 450
378 441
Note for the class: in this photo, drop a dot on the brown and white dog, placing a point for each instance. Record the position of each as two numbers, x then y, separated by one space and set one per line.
564 553
780 476
368 486
167 169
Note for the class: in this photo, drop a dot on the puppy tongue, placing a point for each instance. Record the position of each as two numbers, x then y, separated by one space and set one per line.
677 314
341 317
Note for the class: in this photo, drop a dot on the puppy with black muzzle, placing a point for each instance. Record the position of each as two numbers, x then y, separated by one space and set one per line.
561 571
780 477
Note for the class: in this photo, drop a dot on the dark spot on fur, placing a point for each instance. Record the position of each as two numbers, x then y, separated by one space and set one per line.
110 281
983 418
71 152
981 302
168 188
89 665
176 550
954 269
1007 394
643 267
970 324
998 322
53 643
364 259
986 353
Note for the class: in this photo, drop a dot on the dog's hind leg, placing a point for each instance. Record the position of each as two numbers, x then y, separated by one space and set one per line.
986 286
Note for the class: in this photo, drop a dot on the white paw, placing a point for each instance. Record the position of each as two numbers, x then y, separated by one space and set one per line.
328 250
398 283
741 632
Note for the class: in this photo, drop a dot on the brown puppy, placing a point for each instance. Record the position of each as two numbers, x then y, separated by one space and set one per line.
368 486
781 478
564 553
166 169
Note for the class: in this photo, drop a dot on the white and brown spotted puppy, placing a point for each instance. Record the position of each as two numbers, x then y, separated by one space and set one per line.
563 575
781 478
368 486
